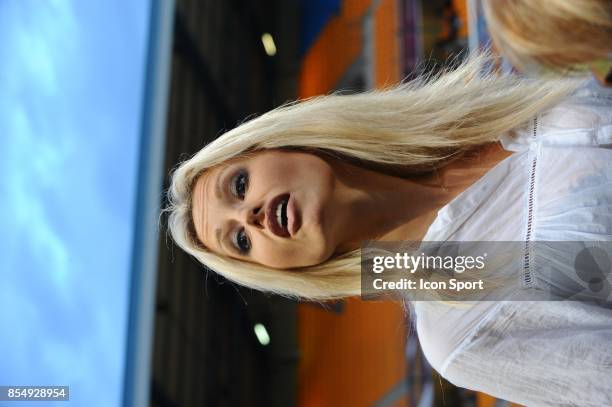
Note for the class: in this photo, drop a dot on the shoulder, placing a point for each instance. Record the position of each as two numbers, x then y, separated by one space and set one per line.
583 119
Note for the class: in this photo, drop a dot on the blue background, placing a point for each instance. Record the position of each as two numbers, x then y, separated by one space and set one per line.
71 86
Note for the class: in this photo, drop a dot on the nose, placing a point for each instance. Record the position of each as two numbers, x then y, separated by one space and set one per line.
255 216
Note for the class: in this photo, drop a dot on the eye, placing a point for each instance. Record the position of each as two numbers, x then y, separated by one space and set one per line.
242 242
240 184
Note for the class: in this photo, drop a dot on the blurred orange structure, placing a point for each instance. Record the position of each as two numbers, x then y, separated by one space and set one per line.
355 357
352 358
341 42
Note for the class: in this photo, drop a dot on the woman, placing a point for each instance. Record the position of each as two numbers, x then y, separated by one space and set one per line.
282 202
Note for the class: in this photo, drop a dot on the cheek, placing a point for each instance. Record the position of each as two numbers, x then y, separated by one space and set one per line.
299 171
291 254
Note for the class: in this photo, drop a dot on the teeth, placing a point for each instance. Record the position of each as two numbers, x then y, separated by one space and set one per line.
281 214
284 214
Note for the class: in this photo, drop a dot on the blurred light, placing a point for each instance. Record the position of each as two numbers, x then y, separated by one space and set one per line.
268 43
262 334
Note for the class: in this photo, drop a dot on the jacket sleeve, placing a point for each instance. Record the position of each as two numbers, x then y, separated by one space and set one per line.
541 353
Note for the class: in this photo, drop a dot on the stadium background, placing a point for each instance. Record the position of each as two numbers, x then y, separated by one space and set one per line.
236 59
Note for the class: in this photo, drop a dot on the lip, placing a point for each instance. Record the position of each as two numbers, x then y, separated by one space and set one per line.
294 221
271 216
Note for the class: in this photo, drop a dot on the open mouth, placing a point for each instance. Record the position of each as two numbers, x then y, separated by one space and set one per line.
277 217
281 214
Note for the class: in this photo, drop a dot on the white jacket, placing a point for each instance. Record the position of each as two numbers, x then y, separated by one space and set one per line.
557 186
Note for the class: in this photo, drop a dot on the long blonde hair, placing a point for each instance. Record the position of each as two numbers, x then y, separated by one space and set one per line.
558 34
409 125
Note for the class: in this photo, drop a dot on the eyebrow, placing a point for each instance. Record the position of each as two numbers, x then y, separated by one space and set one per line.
218 237
221 242
219 195
218 188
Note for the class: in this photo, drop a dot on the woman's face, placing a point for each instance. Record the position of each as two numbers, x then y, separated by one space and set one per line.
271 208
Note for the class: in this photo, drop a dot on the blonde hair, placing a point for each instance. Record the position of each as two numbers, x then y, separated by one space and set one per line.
558 34
411 125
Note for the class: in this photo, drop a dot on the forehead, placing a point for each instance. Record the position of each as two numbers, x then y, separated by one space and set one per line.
203 199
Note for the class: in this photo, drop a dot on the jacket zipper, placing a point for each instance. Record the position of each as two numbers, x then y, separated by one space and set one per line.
527 280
